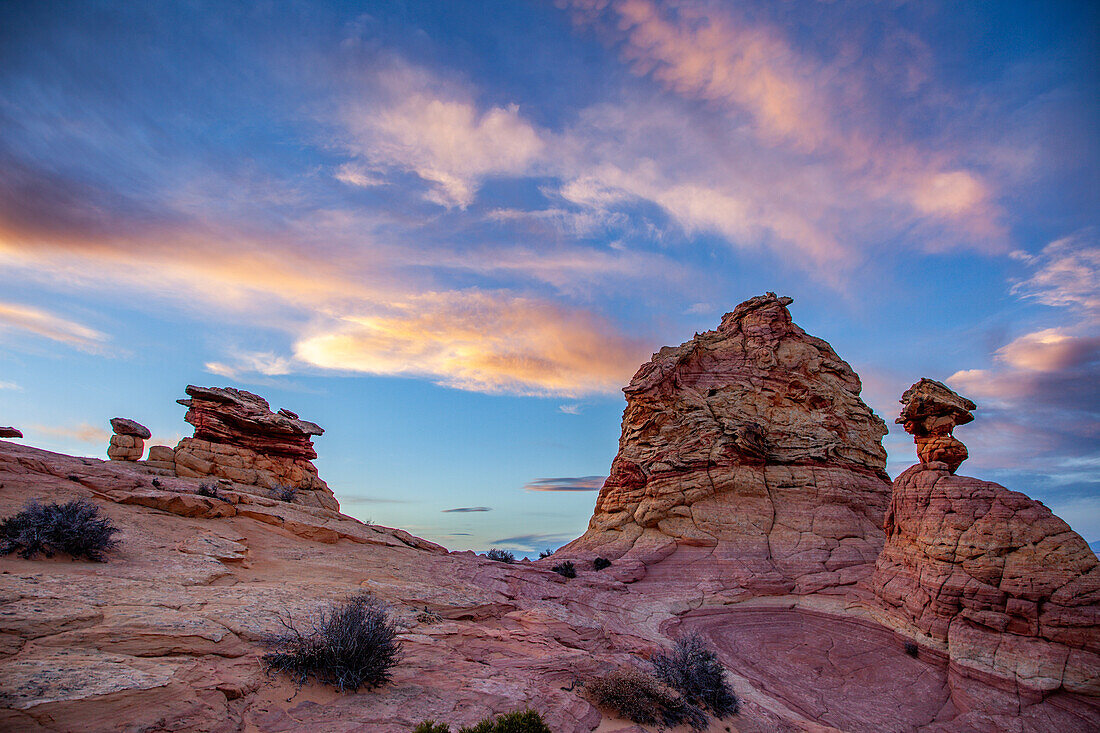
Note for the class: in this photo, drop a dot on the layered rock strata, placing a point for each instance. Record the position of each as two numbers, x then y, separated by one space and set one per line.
1006 585
747 454
238 438
10 432
128 441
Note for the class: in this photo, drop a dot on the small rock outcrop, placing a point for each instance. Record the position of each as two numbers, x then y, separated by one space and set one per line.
749 449
128 441
238 438
930 413
1008 587
10 432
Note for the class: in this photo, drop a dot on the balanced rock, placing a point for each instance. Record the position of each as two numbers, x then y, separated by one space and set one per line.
930 413
748 455
125 426
239 438
1007 585
9 432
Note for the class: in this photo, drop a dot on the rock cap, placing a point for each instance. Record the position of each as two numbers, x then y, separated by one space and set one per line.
9 432
126 426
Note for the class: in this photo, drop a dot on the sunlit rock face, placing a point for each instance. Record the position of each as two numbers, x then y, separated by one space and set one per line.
747 454
238 438
1008 586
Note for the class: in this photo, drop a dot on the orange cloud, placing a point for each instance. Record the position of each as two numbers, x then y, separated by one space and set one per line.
485 342
82 433
47 325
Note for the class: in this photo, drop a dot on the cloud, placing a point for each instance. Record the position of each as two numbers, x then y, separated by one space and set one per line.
573 409
532 542
11 385
1050 350
266 363
466 509
481 341
354 175
1066 273
413 121
15 316
580 483
82 433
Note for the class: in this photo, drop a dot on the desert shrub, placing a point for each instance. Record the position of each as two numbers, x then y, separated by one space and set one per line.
209 490
430 726
692 669
642 698
545 553
349 644
565 569
600 563
525 721
911 648
75 528
284 492
500 556
156 482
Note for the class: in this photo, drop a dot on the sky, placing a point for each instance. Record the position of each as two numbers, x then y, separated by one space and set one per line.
450 232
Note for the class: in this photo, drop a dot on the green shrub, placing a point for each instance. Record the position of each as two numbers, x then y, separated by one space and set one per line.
565 569
75 528
600 563
525 721
501 556
692 669
642 698
430 726
349 645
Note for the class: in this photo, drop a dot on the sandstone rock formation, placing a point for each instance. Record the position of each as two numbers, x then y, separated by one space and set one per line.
162 457
1007 586
930 413
747 454
128 441
10 432
238 438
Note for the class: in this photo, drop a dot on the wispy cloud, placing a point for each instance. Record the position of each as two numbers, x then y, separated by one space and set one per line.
81 433
580 483
467 509
11 386
532 542
19 317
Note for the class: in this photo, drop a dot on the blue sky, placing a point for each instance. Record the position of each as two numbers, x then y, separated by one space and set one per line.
450 232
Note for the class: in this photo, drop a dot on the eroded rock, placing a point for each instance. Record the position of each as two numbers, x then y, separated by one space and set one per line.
747 454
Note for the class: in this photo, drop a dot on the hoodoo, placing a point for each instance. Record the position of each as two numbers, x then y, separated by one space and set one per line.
1006 585
747 454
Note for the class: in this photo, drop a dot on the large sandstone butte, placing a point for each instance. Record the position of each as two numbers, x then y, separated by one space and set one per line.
238 438
1007 586
748 465
167 635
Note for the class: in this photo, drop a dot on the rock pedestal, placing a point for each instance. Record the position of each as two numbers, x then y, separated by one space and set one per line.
9 432
238 437
930 413
1009 588
746 458
128 442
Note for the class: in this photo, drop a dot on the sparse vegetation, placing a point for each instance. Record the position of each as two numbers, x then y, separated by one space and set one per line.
523 721
284 492
911 648
75 528
600 563
500 556
350 644
210 491
565 569
692 669
156 482
430 726
642 698
545 553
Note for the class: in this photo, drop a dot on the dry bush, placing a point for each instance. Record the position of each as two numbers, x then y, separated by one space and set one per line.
692 669
501 556
600 563
75 528
349 645
565 569
642 698
284 492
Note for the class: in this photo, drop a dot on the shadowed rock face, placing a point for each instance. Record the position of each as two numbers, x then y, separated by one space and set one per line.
749 449
1008 586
